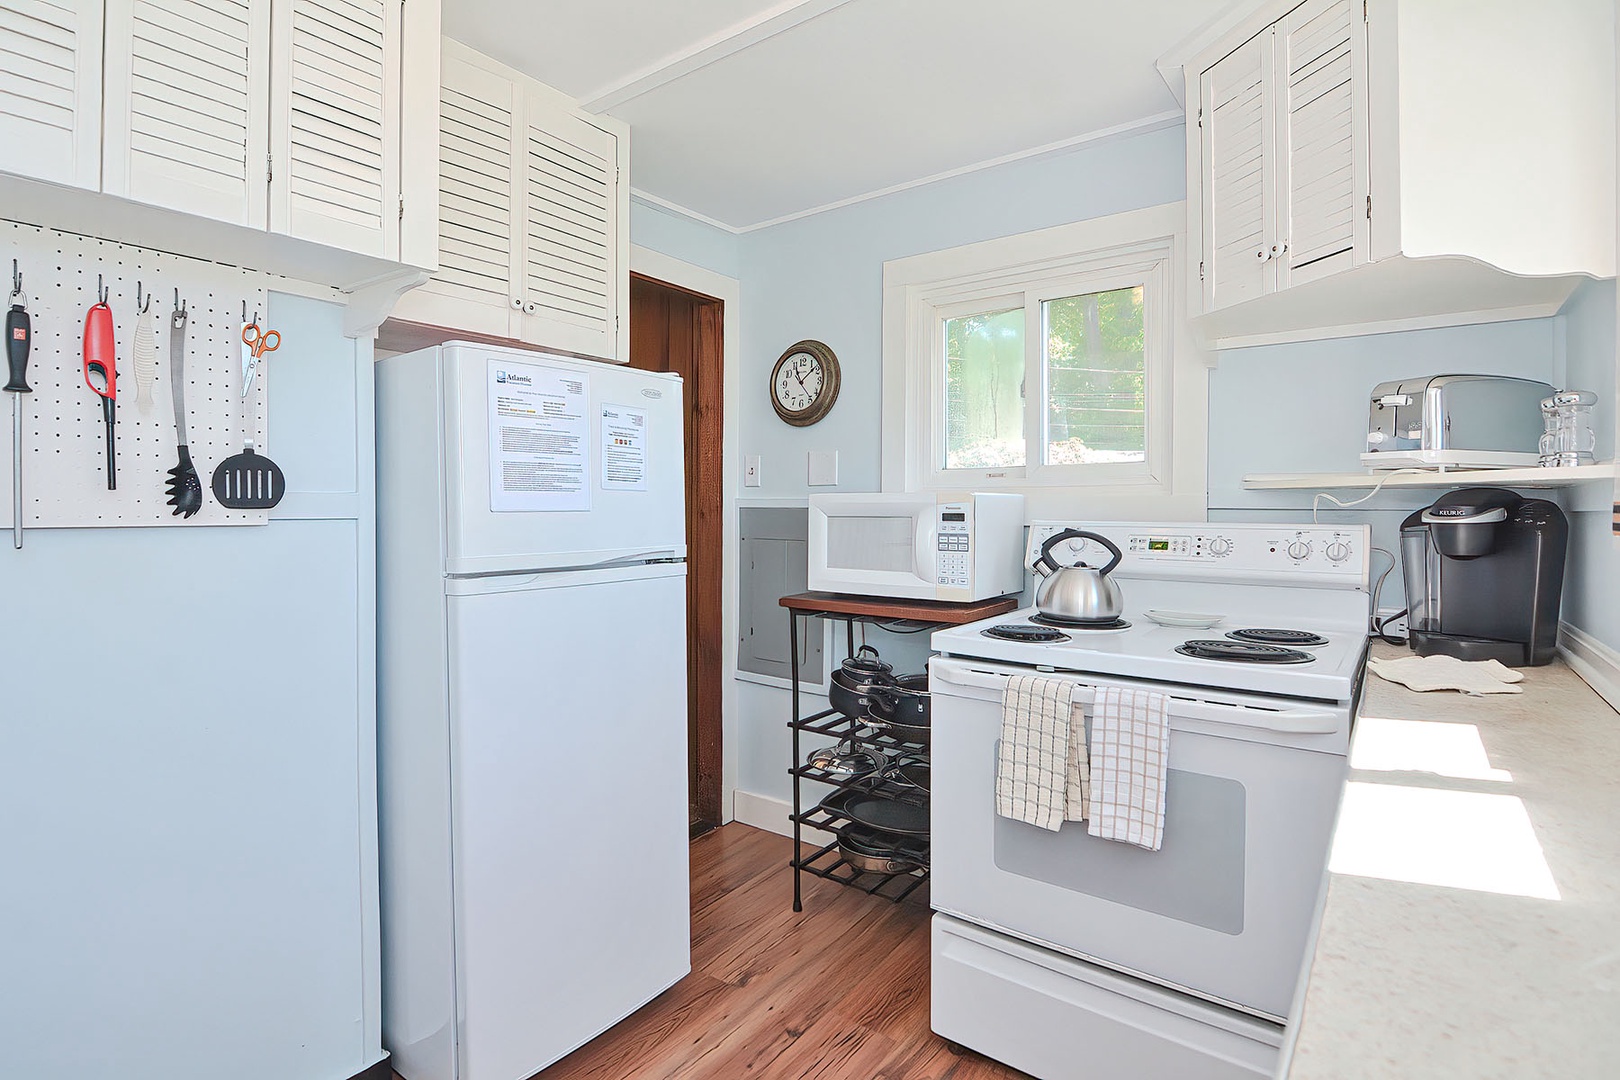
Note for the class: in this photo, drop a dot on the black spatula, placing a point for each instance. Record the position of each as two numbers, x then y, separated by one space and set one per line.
248 481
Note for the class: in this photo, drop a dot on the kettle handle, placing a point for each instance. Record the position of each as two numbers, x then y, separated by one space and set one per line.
1076 534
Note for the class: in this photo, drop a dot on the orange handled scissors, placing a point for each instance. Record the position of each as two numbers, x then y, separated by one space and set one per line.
258 343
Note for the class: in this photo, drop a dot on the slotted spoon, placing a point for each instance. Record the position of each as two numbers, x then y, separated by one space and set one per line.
248 481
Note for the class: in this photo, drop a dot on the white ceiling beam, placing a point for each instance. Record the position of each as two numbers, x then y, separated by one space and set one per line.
774 20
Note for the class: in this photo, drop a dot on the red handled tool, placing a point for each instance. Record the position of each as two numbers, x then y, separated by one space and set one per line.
101 372
19 334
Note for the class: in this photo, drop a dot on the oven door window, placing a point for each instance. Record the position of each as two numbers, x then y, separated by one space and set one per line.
1204 837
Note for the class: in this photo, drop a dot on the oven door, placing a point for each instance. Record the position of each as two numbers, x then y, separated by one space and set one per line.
1222 910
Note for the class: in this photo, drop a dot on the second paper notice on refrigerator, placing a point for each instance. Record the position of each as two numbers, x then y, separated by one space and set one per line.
539 438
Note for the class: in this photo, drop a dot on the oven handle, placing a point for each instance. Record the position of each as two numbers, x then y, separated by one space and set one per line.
1299 721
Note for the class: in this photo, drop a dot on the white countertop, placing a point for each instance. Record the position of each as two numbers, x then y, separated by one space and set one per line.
1471 925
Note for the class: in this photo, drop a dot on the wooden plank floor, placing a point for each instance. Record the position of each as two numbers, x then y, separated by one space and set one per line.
839 991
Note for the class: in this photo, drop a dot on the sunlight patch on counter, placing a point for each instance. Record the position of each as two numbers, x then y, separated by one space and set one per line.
1453 839
1455 750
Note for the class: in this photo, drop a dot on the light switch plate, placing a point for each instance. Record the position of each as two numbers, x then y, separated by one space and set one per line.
751 470
823 468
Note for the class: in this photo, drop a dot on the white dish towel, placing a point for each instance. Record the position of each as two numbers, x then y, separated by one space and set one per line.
1130 743
1042 777
1425 673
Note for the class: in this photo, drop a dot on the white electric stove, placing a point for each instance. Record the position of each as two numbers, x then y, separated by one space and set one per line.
1066 955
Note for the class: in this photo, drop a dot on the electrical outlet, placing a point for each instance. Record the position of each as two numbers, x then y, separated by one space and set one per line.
823 468
751 470
1397 626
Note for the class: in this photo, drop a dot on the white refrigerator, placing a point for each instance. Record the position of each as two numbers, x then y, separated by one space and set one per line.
532 704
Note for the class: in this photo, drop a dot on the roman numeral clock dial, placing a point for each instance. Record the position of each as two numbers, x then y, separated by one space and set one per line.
804 383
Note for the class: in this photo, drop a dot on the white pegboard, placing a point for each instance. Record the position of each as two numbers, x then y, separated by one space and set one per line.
64 438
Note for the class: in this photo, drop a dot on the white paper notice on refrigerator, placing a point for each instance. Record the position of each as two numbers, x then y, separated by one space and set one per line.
539 438
624 448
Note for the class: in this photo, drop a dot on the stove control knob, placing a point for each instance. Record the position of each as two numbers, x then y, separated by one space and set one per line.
1338 551
1299 550
1219 546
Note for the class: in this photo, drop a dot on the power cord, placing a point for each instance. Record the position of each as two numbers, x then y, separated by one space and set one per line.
1380 624
1316 501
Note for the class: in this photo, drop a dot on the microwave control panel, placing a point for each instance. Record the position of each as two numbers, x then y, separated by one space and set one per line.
954 528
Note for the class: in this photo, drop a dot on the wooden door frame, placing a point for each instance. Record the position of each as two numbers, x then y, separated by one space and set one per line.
684 275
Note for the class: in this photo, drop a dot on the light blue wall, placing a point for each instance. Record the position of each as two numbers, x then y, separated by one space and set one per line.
822 277
185 733
1303 408
1592 584
683 238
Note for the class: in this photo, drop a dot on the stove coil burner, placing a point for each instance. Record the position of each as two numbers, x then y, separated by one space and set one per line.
1242 652
1296 638
1024 632
1078 624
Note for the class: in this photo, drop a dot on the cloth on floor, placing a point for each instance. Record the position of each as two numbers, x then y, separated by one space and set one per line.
1130 743
1424 673
1037 760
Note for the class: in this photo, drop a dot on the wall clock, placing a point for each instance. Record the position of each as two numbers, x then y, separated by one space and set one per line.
804 383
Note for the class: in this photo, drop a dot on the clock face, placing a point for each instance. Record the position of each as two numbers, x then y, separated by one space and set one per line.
804 383
798 381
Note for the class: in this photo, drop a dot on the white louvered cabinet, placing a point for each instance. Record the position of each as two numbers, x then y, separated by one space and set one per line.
51 90
533 204
1284 155
1360 166
188 97
335 123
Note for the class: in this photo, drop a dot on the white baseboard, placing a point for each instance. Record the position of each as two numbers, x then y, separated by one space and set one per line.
1592 660
764 812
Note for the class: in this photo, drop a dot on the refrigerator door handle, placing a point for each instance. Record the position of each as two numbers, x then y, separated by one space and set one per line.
660 555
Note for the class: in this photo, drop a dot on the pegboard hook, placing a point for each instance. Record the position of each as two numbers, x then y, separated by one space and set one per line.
102 291
142 306
16 280
179 308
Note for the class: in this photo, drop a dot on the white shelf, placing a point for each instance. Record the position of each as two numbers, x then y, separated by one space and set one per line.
1523 478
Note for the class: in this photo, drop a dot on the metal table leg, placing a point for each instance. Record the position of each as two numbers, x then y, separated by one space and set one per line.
793 647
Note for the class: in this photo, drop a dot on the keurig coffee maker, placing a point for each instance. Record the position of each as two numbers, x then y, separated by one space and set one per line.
1484 570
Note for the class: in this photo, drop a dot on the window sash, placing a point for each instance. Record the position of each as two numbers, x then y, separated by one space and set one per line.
1148 266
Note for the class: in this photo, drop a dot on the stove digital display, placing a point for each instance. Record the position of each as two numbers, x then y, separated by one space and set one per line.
1158 545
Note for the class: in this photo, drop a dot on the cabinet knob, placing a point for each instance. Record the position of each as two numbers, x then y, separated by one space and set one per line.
517 303
531 308
1262 254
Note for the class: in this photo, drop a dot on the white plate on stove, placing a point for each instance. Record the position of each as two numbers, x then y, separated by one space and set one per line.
1184 620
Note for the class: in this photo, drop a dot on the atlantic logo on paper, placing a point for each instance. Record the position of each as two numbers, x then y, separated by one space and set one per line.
514 378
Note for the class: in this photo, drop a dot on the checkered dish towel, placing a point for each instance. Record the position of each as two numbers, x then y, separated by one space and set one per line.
1130 742
1042 776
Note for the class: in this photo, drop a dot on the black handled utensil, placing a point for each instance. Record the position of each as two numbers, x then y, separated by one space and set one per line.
19 335
248 481
185 487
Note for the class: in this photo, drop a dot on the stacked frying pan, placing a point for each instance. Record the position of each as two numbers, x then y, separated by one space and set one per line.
888 828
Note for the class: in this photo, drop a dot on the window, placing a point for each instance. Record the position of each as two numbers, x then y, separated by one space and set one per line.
1044 360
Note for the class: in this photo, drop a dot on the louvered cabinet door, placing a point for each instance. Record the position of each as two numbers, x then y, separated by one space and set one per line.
478 284
1321 140
188 106
1239 175
50 90
575 277
334 123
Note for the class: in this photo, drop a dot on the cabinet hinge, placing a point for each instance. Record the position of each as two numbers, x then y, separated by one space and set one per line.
269 168
1200 116
1363 10
1369 208
1200 271
402 209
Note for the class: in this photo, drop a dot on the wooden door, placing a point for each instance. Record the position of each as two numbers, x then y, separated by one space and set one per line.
674 330
334 123
188 106
1321 79
50 91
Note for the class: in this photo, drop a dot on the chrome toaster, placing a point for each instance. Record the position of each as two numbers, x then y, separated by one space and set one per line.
1455 422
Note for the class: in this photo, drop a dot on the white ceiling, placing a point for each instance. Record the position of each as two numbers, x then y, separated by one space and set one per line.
745 112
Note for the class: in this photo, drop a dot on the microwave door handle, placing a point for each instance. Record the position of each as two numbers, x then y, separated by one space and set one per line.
923 554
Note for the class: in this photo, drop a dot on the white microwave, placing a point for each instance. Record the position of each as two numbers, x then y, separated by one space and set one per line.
951 547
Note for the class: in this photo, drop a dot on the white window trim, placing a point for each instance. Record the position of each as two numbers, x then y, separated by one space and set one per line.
1049 264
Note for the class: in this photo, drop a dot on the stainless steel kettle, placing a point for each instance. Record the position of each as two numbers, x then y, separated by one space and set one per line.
1077 593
